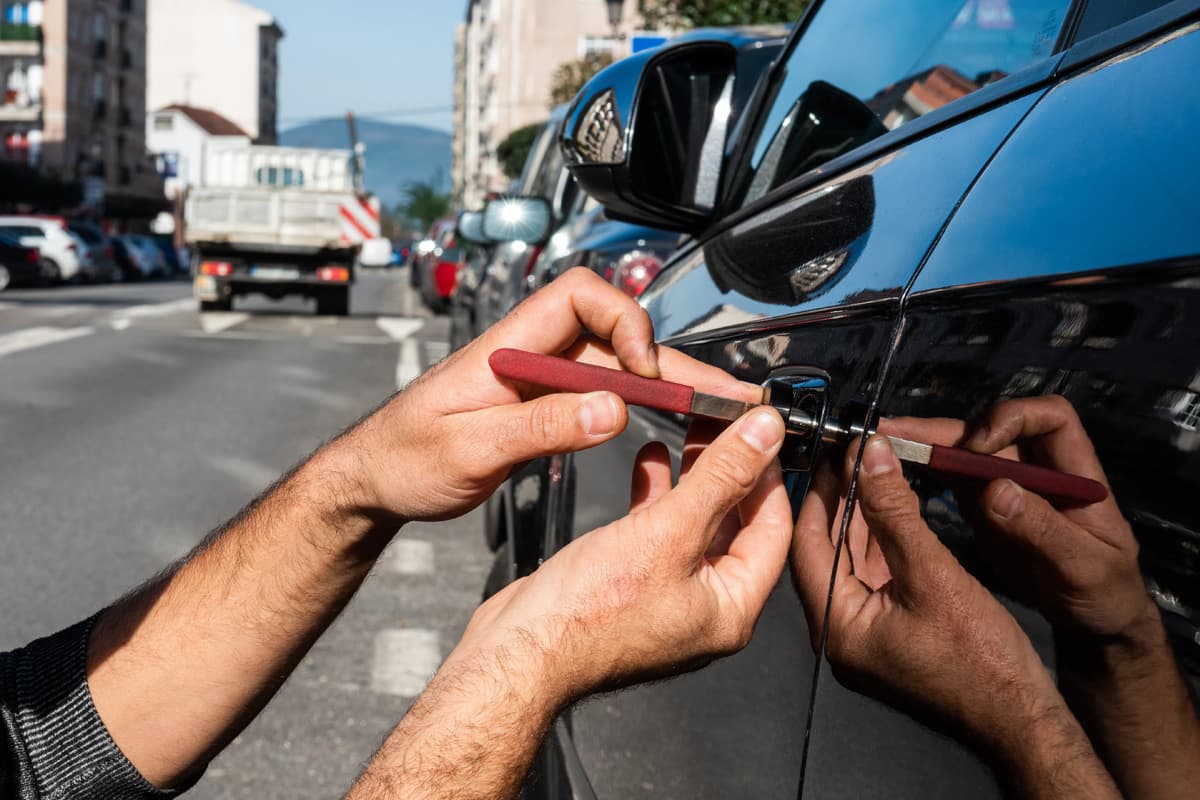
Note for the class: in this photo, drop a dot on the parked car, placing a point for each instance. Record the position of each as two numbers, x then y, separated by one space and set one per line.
135 263
154 262
101 251
60 253
436 269
478 249
19 265
924 209
175 265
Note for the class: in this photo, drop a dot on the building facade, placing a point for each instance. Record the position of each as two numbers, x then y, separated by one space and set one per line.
510 51
216 54
75 92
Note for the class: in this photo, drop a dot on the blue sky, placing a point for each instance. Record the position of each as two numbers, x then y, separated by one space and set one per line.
366 55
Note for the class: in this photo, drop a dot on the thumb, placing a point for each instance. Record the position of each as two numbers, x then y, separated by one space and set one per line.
722 476
554 423
892 513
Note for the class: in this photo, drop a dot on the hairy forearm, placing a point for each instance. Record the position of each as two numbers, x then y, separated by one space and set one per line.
179 667
1134 703
473 734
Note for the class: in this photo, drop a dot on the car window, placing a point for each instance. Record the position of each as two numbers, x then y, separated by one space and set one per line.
1100 15
863 68
24 230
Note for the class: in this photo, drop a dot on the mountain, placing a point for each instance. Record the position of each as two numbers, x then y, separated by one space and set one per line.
396 154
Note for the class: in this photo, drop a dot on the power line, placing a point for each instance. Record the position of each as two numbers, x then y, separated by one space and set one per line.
400 112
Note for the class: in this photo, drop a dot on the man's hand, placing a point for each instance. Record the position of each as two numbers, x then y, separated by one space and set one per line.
680 580
909 625
443 445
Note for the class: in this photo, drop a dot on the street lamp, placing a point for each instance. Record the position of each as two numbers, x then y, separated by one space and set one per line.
615 9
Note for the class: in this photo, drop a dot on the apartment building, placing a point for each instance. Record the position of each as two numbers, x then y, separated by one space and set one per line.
74 102
216 54
509 52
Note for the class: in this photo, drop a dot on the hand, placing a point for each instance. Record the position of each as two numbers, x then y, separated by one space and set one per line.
907 623
680 580
1076 563
443 445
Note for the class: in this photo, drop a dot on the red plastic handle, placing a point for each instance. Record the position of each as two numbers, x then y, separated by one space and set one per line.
571 376
1044 481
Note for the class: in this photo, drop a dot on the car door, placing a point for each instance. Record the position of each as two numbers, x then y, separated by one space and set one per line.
1070 268
826 229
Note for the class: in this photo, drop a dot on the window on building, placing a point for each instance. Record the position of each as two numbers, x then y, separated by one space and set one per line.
164 122
99 87
591 45
99 27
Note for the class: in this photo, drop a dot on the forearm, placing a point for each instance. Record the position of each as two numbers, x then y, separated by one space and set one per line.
473 734
1130 697
1049 756
178 668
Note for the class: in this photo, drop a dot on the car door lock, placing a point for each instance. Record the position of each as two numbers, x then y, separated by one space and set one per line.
802 397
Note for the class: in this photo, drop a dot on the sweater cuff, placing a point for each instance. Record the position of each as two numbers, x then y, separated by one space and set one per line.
61 745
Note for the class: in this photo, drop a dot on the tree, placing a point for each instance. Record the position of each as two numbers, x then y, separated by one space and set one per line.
570 77
668 14
513 151
423 203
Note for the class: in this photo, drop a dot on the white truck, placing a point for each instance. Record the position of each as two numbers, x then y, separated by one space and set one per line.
277 221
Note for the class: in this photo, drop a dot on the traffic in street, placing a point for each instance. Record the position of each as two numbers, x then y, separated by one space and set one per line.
133 426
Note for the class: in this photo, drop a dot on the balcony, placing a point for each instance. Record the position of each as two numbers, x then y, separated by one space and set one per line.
99 110
19 39
124 117
126 58
100 50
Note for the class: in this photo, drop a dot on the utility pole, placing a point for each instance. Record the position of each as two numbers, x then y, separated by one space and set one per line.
356 148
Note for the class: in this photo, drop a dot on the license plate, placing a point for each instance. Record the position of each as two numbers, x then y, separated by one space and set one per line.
274 273
205 288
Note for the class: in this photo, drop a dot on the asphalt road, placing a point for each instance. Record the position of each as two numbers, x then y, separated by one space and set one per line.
132 426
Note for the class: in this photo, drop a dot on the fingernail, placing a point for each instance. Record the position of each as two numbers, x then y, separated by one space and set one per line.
598 413
762 430
879 459
1008 500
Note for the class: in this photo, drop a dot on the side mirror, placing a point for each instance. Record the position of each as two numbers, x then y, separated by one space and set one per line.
647 135
517 218
470 229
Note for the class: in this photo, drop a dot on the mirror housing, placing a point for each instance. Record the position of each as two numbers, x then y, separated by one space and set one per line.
647 135
517 218
470 229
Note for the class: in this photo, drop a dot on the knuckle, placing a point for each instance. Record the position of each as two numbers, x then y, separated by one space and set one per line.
547 421
730 469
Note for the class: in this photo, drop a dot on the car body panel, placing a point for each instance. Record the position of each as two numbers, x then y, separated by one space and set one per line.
1072 268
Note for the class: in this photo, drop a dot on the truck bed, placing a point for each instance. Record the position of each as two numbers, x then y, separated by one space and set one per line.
249 217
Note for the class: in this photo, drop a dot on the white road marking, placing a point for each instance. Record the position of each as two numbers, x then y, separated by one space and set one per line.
29 338
253 475
405 660
284 337
399 328
409 365
5 306
409 557
215 322
122 317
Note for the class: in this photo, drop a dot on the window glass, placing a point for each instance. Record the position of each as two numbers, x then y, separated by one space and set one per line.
866 67
1100 15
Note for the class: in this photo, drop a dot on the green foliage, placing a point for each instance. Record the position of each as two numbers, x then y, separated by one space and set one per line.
513 151
667 14
423 203
570 77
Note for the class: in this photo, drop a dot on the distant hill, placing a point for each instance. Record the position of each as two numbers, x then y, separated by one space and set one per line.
396 154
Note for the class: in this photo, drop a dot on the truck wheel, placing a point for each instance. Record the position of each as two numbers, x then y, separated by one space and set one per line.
224 304
334 302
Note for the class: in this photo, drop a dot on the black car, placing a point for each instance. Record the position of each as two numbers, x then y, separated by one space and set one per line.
19 265
923 209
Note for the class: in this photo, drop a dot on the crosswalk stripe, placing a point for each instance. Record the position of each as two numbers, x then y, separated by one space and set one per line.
409 557
29 338
409 365
404 660
121 317
215 322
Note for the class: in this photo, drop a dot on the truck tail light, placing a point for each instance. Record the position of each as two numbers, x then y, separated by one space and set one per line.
445 278
220 269
333 274
634 271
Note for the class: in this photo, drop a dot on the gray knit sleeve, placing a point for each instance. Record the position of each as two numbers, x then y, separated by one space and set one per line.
52 742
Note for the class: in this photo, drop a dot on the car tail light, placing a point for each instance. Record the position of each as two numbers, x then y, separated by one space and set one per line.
333 274
445 278
534 254
71 247
220 269
32 256
109 252
634 271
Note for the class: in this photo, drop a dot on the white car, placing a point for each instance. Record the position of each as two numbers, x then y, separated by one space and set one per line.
60 253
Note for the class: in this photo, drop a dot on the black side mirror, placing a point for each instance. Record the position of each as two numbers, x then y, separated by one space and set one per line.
470 229
646 136
517 218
